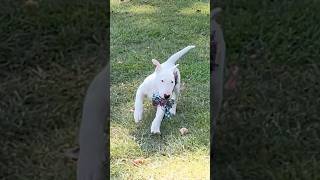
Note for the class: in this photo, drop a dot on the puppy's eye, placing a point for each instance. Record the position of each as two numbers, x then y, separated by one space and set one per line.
162 81
171 81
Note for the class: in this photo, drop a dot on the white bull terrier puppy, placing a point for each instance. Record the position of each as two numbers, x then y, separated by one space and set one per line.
164 81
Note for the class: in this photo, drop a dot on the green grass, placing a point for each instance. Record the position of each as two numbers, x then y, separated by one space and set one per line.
141 31
48 56
269 128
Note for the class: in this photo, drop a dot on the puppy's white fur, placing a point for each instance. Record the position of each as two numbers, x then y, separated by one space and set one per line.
161 81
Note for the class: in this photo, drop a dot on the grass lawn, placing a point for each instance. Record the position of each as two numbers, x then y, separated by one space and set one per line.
270 127
48 55
140 31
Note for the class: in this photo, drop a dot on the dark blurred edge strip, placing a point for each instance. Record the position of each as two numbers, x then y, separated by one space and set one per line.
107 56
213 167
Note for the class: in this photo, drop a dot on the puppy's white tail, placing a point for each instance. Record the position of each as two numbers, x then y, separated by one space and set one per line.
173 59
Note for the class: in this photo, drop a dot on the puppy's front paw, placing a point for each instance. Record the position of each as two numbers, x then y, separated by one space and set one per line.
156 132
138 115
155 129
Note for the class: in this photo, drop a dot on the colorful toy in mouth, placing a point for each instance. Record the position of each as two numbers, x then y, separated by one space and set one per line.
167 104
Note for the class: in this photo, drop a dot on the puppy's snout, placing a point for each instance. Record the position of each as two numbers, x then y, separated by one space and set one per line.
166 96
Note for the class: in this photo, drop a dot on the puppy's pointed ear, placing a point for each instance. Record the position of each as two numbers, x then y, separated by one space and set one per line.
174 68
158 65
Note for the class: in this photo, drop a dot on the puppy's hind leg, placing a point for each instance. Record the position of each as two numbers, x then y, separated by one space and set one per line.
173 109
138 106
176 93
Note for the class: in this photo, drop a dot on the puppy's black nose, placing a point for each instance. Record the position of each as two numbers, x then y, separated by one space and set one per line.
166 96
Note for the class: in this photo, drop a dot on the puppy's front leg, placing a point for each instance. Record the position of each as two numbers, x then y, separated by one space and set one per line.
138 106
155 126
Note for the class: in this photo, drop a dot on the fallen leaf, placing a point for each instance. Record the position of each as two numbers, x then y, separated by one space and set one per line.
138 161
184 131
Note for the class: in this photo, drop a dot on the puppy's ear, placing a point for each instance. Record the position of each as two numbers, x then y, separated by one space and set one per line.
158 65
174 68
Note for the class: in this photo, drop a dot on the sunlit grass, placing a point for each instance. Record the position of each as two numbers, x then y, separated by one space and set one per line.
193 166
143 9
196 8
123 144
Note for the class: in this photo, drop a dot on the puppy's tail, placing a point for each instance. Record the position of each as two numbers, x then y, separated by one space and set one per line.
215 12
175 57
